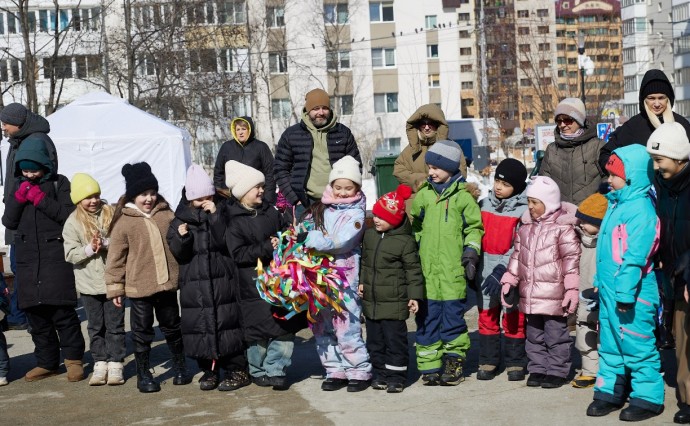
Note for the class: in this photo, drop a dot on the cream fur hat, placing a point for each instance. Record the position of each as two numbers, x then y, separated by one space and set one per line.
240 178
346 168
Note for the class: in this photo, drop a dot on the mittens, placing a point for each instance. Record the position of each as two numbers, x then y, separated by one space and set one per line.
469 261
35 195
570 301
492 284
505 290
20 194
624 307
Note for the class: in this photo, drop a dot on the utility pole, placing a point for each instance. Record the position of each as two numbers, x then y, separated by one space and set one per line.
484 79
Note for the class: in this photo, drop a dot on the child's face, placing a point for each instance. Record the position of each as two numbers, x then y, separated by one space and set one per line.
536 208
254 197
33 175
589 228
146 201
344 188
503 189
438 175
91 203
242 132
382 225
667 167
616 182
198 203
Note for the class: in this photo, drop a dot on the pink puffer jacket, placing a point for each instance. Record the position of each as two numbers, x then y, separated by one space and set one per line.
546 261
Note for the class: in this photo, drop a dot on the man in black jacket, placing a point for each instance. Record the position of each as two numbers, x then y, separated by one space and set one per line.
18 123
307 150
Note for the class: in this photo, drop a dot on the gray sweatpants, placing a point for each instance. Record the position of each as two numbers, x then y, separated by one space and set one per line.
548 345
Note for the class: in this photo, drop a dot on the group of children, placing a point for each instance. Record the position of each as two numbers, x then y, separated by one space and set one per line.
527 252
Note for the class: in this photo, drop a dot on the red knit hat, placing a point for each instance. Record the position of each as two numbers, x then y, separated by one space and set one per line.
391 207
615 166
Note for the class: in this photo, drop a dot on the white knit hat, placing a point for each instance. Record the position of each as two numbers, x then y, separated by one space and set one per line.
669 140
574 108
346 168
241 178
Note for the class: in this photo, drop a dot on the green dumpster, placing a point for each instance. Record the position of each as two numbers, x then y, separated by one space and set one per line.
385 181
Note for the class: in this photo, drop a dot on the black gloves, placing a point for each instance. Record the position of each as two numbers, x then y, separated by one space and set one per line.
624 307
492 284
469 261
590 298
302 237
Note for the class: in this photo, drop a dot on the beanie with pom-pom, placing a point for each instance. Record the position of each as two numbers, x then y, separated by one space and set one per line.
391 207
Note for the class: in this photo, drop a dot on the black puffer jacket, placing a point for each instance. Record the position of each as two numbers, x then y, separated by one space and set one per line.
294 152
638 129
46 278
673 209
249 239
209 289
573 165
391 273
254 153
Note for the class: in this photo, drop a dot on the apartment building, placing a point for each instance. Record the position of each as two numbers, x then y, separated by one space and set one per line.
681 55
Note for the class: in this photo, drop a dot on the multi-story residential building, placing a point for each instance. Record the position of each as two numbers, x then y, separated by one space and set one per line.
681 59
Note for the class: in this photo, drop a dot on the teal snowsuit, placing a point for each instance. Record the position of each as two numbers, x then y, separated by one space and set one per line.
628 239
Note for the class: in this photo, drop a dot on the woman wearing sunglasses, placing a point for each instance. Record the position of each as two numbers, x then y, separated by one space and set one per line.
571 160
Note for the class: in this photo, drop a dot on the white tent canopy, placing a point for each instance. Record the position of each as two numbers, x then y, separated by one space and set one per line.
98 133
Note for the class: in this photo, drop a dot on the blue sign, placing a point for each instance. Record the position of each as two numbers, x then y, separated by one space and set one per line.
604 131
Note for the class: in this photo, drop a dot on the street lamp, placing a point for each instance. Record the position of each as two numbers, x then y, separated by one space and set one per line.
581 62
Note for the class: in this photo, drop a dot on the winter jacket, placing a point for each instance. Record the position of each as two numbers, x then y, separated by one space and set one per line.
35 126
294 153
253 153
629 235
573 164
89 271
343 224
209 282
501 219
139 262
546 261
588 259
46 278
444 225
248 239
638 129
673 209
391 273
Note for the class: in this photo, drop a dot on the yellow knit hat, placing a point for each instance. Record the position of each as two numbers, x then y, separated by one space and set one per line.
83 185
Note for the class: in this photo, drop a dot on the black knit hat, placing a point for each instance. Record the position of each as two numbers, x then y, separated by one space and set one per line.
658 86
513 172
14 114
138 178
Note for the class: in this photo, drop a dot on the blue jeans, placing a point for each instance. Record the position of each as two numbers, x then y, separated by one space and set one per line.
271 357
16 316
4 356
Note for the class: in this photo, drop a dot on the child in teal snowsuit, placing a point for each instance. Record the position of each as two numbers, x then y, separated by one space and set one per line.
448 226
628 292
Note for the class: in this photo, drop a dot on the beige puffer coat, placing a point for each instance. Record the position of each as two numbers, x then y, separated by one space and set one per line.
546 261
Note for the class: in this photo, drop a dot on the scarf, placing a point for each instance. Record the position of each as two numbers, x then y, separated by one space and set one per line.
572 136
328 197
666 116
440 187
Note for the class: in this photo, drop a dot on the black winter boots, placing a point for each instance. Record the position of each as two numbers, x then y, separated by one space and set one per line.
145 382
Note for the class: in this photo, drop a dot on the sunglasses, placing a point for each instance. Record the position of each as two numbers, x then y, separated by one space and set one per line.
429 123
567 121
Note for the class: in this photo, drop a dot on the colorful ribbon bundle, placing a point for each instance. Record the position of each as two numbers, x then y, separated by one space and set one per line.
300 279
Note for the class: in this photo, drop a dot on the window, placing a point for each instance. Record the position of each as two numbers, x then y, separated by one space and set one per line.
16 70
203 60
280 109
381 12
466 68
635 25
463 17
383 57
385 102
62 67
543 13
389 145
336 13
4 75
525 82
430 22
543 29
275 17
88 66
432 50
234 106
434 80
464 34
572 61
467 85
523 13
338 60
527 115
227 61
524 48
346 104
527 99
630 84
277 62
523 30
146 65
231 12
544 47
465 51
613 46
468 102
560 60
629 55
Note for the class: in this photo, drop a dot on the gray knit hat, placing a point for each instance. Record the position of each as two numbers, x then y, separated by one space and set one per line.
572 107
445 155
14 114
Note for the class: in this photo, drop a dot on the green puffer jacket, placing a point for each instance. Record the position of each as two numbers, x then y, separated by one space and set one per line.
444 225
390 273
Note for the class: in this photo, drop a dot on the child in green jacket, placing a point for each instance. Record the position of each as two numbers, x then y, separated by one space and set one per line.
391 283
448 227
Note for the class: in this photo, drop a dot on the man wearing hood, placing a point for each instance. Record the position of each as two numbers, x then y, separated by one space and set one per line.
18 123
246 149
307 150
